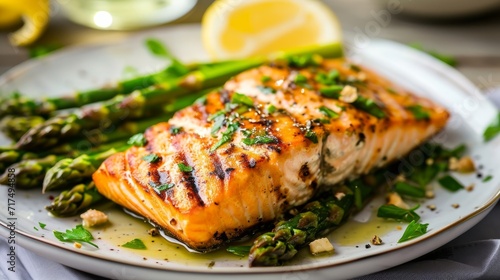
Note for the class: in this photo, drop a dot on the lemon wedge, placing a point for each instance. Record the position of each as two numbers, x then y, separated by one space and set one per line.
34 14
237 28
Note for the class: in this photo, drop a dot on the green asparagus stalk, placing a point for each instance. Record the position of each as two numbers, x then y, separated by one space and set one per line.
14 126
315 219
136 104
93 142
29 173
69 171
20 105
75 200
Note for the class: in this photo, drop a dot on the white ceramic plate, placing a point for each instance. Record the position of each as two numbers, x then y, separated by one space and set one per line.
92 66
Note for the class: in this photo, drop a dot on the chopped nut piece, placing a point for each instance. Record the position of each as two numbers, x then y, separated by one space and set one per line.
395 199
429 161
400 178
463 165
339 195
455 205
93 218
153 231
470 188
348 94
376 240
321 245
429 194
399 227
77 245
431 207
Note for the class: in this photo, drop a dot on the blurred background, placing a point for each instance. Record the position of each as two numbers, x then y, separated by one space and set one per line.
468 31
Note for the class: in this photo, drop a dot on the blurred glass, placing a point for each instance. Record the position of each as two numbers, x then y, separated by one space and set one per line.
124 14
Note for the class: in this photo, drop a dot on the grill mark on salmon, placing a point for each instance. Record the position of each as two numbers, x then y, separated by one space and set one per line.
237 186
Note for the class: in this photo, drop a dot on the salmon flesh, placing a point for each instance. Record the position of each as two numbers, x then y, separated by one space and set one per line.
267 141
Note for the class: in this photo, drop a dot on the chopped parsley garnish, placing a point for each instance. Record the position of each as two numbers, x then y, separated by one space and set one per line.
239 98
409 190
301 80
331 91
42 225
423 175
265 79
369 106
266 90
226 136
241 251
137 140
215 115
184 168
450 183
493 129
311 135
175 130
271 109
328 79
413 230
135 244
219 121
393 212
301 61
151 158
35 228
77 234
328 112
487 178
162 187
260 139
419 112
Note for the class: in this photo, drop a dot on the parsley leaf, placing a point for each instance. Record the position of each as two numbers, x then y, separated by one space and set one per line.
135 244
487 178
137 140
409 190
393 212
42 225
450 183
328 112
175 130
311 135
271 109
226 136
260 139
79 233
492 130
241 251
239 98
413 230
328 79
184 168
151 158
419 112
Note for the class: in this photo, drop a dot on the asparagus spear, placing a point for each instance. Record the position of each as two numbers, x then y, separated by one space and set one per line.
136 104
91 143
20 105
75 201
14 127
317 217
29 173
75 170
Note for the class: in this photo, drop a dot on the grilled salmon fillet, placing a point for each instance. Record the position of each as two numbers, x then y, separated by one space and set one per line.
268 140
